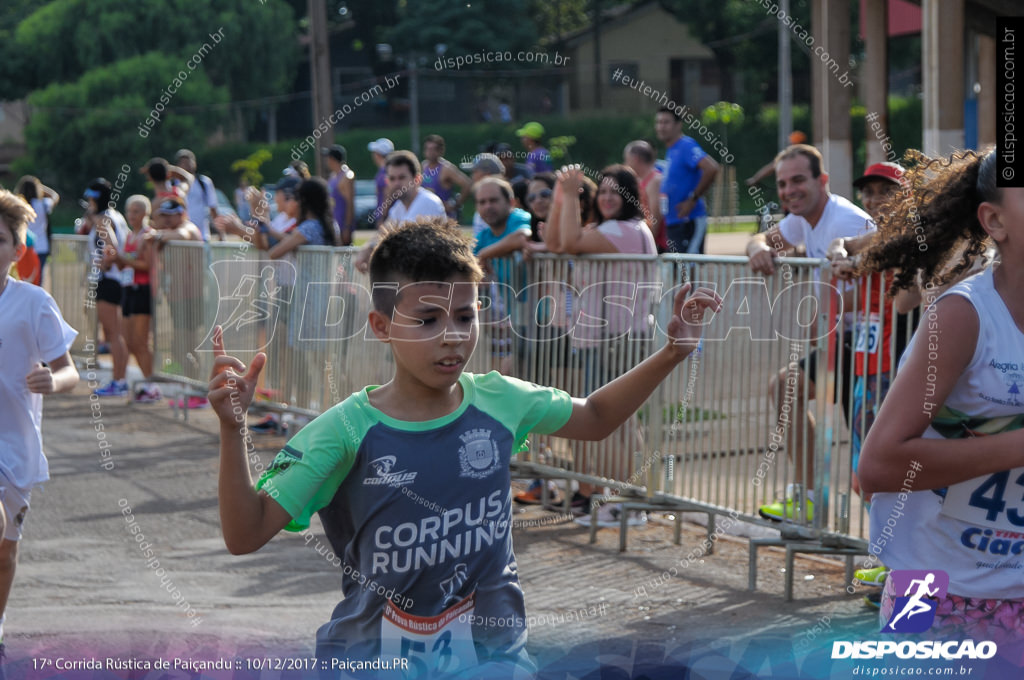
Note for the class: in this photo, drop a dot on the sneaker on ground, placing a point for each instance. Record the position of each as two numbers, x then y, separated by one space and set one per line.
114 388
872 577
786 511
147 393
532 496
610 515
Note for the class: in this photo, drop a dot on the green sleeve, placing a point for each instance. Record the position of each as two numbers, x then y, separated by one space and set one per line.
522 406
307 472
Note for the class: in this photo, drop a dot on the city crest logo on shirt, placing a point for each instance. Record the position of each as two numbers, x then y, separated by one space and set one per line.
478 457
384 476
914 610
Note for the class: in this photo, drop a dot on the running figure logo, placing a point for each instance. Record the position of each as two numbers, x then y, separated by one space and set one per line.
914 611
250 303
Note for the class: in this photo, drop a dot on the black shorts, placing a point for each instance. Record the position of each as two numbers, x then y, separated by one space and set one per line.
810 364
109 290
137 300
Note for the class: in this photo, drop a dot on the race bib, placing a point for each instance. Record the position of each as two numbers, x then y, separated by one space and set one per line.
127 276
869 335
435 646
995 501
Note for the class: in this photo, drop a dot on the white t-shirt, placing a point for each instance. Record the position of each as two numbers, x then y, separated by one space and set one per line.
426 203
120 227
32 330
841 219
200 198
965 531
43 207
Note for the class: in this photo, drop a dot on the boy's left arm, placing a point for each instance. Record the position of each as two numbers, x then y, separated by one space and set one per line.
598 415
59 376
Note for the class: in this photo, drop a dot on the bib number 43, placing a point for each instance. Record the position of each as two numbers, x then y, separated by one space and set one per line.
983 501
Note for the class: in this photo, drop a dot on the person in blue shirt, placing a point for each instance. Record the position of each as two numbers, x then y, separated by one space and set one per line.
689 175
506 236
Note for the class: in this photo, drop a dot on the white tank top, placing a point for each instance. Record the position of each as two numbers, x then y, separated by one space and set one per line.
974 530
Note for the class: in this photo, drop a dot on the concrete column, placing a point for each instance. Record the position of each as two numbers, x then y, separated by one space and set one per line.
942 61
874 79
832 86
987 94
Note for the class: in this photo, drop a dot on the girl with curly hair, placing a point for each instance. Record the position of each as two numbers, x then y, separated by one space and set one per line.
945 457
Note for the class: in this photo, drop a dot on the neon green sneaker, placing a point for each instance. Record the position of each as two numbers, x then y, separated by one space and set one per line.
872 577
785 511
874 600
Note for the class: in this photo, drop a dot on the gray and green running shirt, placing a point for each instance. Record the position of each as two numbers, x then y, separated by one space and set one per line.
418 512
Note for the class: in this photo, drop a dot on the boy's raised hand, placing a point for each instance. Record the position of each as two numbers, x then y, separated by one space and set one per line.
687 322
232 385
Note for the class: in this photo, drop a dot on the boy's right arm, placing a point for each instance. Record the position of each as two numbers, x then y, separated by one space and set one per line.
248 518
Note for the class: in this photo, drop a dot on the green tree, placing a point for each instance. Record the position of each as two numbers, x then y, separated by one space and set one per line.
67 38
742 34
91 127
464 28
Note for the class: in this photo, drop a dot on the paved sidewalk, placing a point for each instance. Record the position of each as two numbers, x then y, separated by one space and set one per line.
86 587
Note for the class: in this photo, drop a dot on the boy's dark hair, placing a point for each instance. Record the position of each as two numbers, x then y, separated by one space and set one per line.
429 249
16 213
673 112
406 158
812 155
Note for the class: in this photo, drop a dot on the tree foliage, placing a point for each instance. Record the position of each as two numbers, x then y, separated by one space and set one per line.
742 34
91 127
67 38
463 27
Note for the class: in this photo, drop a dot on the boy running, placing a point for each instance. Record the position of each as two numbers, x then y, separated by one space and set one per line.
34 360
379 465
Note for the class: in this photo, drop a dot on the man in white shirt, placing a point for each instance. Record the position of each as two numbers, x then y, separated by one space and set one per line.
815 218
410 201
202 197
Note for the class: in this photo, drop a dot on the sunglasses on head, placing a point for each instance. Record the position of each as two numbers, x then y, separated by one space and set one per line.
543 193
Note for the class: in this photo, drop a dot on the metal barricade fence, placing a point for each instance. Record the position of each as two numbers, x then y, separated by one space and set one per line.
69 266
709 437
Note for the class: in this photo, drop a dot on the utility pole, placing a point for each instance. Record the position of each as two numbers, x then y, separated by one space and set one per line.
320 74
785 81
